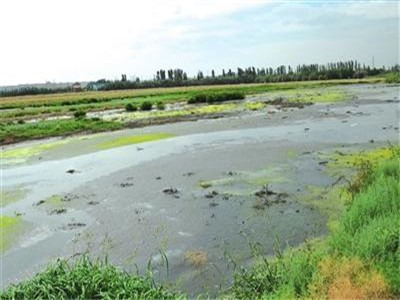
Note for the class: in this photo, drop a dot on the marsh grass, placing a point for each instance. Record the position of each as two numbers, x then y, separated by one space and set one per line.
87 278
10 133
360 258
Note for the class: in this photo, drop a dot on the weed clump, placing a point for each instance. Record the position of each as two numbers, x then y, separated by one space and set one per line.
130 107
215 97
79 114
392 77
160 105
146 105
87 279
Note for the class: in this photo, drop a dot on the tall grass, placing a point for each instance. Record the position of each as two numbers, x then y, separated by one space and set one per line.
10 133
87 279
360 258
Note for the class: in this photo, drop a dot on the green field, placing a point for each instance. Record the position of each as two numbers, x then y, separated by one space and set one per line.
30 117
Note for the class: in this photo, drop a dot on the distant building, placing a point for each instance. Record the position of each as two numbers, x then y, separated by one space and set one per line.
76 87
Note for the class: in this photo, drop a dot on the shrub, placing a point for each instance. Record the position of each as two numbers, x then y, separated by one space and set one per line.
79 114
198 98
130 107
87 279
146 105
392 78
215 97
160 105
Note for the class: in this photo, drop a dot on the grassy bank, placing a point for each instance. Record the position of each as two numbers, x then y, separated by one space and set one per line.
359 259
11 133
87 279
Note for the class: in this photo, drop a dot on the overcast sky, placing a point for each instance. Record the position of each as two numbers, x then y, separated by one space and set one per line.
71 40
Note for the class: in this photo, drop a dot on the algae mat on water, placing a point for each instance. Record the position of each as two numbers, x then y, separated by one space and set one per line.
135 139
8 196
9 227
22 154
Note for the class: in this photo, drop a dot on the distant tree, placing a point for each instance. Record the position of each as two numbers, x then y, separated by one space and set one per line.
170 75
123 77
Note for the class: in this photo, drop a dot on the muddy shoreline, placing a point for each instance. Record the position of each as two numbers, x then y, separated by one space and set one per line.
205 197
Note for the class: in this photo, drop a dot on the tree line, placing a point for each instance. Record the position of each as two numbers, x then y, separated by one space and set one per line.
178 77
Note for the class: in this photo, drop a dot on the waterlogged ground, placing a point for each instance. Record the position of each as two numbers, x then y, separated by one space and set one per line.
194 199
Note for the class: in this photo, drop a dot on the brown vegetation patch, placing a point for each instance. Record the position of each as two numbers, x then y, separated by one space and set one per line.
348 278
196 258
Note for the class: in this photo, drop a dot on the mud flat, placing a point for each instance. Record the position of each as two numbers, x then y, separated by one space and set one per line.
206 195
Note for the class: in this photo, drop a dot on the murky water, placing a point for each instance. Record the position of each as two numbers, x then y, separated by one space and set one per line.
118 205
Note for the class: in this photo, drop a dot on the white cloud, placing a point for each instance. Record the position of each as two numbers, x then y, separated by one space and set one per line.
85 40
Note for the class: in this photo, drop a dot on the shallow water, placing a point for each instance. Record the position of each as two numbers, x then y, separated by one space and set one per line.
120 199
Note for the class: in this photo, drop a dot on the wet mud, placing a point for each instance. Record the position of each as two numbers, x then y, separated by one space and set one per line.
202 198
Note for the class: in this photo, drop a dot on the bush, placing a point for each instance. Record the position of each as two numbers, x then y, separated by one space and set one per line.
160 105
392 78
79 114
198 98
146 105
215 97
87 279
130 107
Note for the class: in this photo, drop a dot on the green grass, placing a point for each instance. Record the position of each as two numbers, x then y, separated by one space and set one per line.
65 103
134 139
359 259
8 230
87 279
393 77
10 133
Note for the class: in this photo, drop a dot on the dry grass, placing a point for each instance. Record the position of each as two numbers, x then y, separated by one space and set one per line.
348 278
196 258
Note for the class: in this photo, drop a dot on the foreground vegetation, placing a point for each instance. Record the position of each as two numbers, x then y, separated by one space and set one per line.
87 279
359 260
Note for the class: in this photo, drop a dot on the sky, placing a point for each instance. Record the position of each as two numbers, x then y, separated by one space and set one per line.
83 40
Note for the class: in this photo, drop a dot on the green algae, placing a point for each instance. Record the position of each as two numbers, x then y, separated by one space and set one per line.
314 95
340 162
330 201
254 105
9 229
8 196
187 110
24 153
244 183
134 139
54 199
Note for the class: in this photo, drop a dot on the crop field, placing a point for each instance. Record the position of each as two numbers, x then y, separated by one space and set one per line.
38 116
